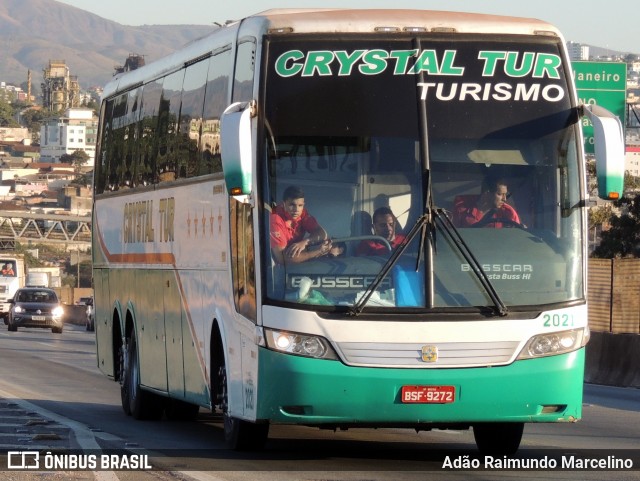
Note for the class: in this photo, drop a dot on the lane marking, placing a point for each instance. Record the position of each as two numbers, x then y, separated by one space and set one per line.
83 435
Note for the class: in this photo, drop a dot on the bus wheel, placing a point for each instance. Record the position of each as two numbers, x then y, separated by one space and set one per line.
238 434
122 358
141 404
498 438
243 435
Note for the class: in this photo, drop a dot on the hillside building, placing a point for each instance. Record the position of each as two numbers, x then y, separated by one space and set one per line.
76 129
10 92
578 51
60 89
15 134
133 62
632 160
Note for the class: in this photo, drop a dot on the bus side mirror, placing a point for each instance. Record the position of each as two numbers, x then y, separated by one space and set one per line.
608 138
236 148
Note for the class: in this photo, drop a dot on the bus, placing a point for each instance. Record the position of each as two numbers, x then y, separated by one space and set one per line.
478 327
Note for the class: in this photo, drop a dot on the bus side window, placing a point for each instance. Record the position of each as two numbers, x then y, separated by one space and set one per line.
190 124
131 140
115 147
144 165
216 95
243 265
245 67
168 116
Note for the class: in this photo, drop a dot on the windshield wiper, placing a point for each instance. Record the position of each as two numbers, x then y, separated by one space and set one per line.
454 235
420 226
425 225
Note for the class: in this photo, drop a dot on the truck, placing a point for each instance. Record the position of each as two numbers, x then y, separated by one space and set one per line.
12 277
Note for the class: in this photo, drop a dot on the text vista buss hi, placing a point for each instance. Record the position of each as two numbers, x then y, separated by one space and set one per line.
446 324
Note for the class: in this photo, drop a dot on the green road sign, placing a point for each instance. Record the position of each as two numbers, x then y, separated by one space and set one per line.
604 84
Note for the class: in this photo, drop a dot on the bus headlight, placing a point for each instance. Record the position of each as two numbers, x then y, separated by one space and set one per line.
554 343
306 345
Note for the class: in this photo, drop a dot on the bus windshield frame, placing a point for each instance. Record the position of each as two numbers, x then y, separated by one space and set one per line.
413 122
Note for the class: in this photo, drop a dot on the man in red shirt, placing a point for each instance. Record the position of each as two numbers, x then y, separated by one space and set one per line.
384 225
294 230
490 209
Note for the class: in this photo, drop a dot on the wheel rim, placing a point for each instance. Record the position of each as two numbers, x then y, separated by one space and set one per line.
122 366
223 399
135 372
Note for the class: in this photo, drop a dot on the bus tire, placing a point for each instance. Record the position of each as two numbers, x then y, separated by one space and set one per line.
243 435
141 404
498 438
121 369
239 434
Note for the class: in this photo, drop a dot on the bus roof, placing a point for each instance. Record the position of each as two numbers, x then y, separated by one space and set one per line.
334 20
360 20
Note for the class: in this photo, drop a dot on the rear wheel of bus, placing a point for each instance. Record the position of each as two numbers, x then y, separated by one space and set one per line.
139 403
239 434
498 438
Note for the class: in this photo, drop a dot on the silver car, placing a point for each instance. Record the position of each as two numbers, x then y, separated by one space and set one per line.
36 307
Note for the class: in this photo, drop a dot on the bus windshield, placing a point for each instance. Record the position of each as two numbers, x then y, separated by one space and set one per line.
370 133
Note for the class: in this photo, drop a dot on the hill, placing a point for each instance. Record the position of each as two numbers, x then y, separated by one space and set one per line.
33 32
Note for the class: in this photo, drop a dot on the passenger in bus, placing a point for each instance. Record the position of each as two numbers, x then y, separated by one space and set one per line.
385 225
489 209
296 236
7 270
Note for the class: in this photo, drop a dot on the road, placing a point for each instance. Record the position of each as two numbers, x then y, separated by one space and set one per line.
52 397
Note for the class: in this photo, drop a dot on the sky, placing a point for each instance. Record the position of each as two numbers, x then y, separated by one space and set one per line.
609 24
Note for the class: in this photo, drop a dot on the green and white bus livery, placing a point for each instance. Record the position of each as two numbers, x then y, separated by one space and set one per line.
458 326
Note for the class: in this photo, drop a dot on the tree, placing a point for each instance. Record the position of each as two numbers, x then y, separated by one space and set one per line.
6 114
599 215
92 104
77 159
623 238
631 182
592 179
34 118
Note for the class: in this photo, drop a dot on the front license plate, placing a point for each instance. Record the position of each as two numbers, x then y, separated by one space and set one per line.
428 394
38 318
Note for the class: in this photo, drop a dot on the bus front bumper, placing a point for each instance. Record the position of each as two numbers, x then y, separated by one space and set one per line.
306 391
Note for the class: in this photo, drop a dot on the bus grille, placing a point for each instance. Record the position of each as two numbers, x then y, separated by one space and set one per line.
449 354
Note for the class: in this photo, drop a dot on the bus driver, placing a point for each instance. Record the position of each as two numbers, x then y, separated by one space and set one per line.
490 208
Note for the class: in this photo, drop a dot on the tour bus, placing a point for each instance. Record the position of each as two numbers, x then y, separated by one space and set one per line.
457 326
